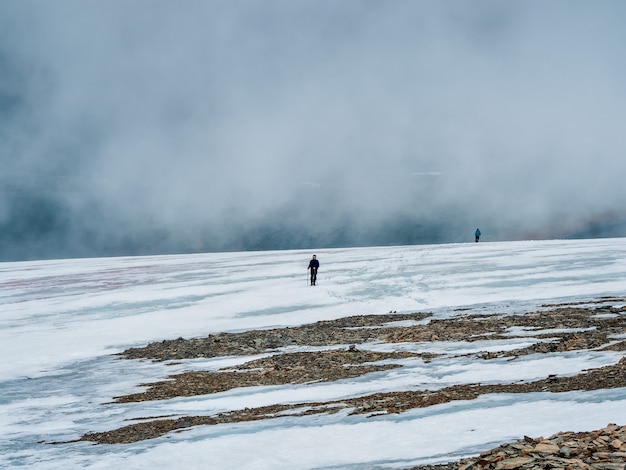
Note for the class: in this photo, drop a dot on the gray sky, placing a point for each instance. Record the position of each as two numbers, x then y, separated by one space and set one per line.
179 114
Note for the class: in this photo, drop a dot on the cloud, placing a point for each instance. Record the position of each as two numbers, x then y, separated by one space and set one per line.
181 118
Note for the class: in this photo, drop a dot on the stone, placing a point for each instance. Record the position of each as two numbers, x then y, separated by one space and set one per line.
546 448
515 462
565 451
609 466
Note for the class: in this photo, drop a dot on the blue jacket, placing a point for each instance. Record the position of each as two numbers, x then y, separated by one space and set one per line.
477 233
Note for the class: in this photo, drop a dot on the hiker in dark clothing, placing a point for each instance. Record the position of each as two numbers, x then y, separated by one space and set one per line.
314 264
477 234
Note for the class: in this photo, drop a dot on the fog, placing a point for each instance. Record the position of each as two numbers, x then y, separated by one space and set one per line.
154 126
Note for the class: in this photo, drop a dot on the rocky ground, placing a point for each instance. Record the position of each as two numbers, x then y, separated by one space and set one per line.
598 325
602 449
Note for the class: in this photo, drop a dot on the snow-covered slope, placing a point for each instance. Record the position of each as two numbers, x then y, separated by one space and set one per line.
61 322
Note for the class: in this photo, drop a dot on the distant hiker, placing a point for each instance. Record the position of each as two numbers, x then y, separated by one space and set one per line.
477 234
314 264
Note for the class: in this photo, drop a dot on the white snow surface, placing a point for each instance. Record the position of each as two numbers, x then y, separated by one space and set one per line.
62 321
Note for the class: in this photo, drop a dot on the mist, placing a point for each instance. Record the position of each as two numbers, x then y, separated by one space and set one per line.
136 127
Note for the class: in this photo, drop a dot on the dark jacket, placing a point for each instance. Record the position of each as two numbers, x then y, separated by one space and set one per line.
314 264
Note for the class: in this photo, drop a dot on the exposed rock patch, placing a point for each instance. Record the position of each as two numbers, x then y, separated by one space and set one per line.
320 366
599 323
373 405
349 330
603 449
556 328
